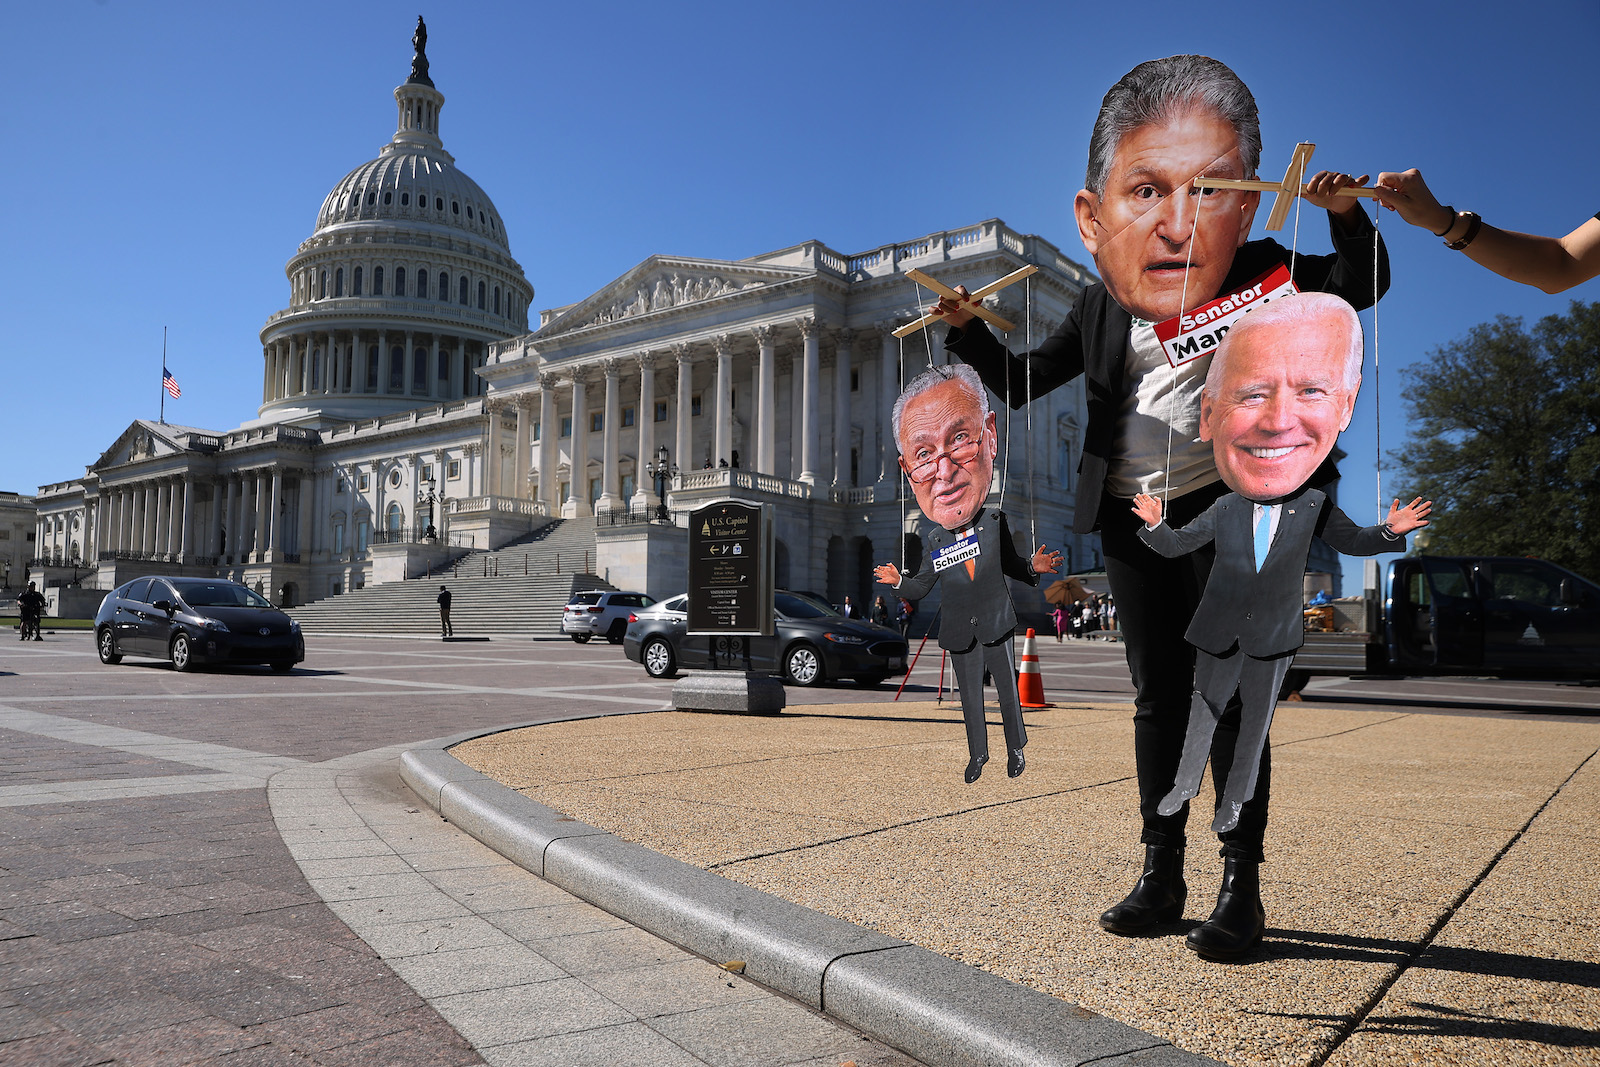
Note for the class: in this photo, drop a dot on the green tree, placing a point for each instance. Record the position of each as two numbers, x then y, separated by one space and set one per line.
1505 439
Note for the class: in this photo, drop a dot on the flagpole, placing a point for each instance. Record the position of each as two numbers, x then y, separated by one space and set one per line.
163 375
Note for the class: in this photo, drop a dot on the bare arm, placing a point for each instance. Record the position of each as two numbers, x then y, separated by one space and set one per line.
1553 264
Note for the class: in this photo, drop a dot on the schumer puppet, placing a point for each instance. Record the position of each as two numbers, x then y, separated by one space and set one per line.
1280 388
948 442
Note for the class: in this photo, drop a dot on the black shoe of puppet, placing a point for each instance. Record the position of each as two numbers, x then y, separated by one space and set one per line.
1236 924
1015 762
1158 897
975 767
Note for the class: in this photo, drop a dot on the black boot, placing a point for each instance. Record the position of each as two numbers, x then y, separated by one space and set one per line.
1157 897
1236 925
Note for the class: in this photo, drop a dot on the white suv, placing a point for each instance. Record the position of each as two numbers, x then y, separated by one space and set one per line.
599 613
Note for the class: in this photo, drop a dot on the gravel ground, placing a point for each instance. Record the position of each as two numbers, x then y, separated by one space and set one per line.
1432 885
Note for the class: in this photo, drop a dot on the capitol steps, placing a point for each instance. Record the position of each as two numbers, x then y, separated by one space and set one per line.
480 607
518 589
563 546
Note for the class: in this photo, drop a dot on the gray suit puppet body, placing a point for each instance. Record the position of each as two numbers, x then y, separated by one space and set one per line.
1249 625
977 618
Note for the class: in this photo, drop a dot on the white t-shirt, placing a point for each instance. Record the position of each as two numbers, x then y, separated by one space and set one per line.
1162 408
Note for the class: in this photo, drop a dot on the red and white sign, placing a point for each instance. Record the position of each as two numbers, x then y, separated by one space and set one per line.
1188 337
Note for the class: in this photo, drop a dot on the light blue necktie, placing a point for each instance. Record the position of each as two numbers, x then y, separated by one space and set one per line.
1263 535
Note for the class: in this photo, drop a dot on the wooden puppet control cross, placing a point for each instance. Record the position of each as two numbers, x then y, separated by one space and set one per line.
977 307
1287 189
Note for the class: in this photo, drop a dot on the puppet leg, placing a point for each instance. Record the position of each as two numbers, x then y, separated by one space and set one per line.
969 676
1215 678
997 658
1259 682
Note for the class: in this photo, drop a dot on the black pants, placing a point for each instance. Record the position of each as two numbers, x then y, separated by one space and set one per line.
1156 599
969 667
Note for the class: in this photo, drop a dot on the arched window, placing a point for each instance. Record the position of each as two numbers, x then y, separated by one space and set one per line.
372 197
469 212
438 203
444 365
419 370
355 283
497 300
483 299
377 281
388 196
397 369
444 286
395 521
405 199
322 286
316 368
338 282
455 207
463 290
399 281
422 284
372 369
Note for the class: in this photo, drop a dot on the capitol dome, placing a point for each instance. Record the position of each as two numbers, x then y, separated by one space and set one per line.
406 280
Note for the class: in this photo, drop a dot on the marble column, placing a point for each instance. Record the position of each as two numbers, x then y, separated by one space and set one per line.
549 446
227 523
722 448
766 400
578 491
524 446
810 434
186 514
646 419
261 529
611 439
275 517
841 411
888 392
491 447
433 373
685 427
151 513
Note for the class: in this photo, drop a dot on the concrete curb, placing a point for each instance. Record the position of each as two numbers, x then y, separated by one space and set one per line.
943 1012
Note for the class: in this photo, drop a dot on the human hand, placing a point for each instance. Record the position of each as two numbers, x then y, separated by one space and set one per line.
953 312
888 574
1045 561
1402 520
1324 186
1408 194
1147 508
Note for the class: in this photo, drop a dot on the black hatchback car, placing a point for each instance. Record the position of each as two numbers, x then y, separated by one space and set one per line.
194 622
813 643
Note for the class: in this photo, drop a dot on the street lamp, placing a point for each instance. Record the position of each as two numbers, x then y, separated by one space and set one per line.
429 533
661 470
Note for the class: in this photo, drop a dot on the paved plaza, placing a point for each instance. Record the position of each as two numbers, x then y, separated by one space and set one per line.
225 867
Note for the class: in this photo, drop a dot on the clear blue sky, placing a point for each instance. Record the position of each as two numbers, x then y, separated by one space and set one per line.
167 158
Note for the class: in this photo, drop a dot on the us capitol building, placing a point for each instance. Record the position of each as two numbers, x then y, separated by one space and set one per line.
410 412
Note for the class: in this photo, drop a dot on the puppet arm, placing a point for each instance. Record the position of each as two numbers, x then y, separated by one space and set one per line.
910 586
1402 520
1011 561
1055 362
1340 531
1169 542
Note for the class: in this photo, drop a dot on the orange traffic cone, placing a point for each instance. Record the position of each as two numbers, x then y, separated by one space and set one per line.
1030 684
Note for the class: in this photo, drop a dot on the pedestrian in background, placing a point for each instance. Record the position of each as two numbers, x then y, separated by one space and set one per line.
445 629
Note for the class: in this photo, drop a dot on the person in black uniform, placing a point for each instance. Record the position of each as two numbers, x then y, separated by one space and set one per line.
1164 247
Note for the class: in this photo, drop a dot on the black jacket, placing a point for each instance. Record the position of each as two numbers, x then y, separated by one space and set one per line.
978 607
1093 341
1261 610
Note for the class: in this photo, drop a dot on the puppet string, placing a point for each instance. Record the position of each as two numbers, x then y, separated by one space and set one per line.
1377 375
1172 390
1294 242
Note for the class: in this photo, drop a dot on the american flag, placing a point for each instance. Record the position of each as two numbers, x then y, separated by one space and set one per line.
170 384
